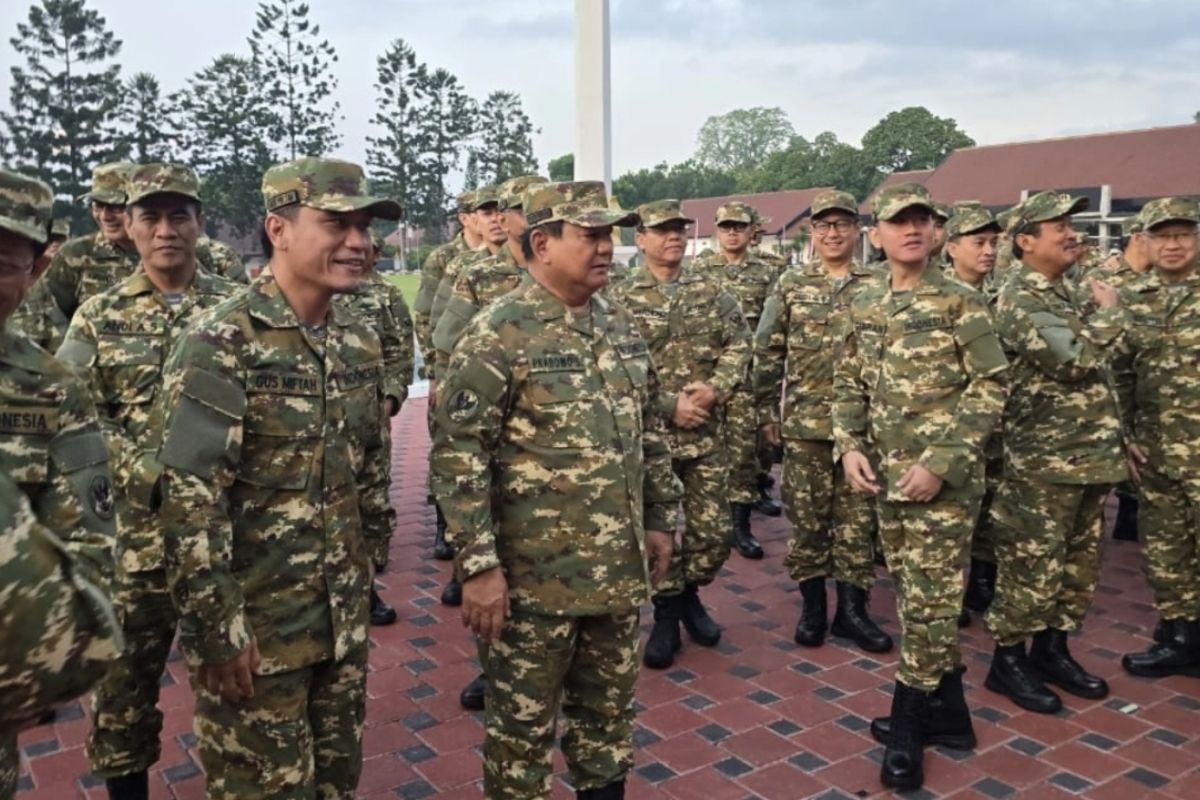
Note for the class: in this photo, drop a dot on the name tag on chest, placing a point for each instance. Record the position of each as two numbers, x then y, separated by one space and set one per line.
289 383
28 420
556 362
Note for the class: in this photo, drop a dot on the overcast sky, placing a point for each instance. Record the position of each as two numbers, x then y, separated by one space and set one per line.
1006 71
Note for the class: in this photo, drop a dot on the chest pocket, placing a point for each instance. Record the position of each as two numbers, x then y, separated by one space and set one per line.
285 414
25 435
131 366
359 393
809 323
99 278
928 354
560 402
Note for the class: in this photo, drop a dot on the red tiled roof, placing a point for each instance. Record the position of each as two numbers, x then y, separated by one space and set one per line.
1139 165
904 176
782 208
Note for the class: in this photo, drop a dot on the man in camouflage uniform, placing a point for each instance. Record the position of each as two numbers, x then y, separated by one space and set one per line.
700 344
275 498
917 389
218 258
434 268
88 265
941 215
1062 455
770 256
58 632
803 321
1160 395
550 453
748 278
972 239
118 342
39 317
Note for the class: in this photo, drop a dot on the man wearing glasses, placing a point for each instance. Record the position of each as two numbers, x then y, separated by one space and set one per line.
831 526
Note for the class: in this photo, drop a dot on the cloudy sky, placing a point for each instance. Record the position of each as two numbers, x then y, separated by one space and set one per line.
1006 71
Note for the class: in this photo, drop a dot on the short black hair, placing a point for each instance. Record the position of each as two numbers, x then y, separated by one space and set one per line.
553 229
1034 229
264 241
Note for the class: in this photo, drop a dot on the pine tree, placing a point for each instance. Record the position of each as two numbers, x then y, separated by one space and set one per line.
446 121
294 62
224 116
149 128
65 97
505 140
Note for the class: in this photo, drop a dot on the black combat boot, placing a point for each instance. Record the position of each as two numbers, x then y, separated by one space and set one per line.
442 550
134 786
949 721
1126 527
901 768
700 626
1166 630
613 791
452 592
743 540
1053 661
664 640
472 696
853 622
1014 677
1178 655
981 585
765 504
814 616
381 612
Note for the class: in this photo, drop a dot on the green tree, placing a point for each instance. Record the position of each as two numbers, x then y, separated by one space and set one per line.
504 146
294 63
912 138
148 125
825 161
445 124
65 97
743 138
682 181
393 153
562 168
1196 117
224 116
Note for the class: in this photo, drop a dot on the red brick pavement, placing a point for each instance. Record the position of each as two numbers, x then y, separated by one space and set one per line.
757 717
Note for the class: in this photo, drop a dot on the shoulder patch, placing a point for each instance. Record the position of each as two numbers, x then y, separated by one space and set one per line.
100 497
463 406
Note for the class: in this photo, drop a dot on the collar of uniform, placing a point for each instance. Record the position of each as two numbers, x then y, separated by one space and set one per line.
103 243
136 284
270 306
642 277
547 306
1036 280
933 280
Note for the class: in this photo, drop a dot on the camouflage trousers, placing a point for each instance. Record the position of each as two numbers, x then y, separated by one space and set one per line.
591 663
832 526
10 765
707 536
1047 556
126 722
925 545
1170 531
298 738
749 457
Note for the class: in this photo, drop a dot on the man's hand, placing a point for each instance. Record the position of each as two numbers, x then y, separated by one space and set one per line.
772 434
1137 459
659 547
858 473
702 394
919 484
485 604
232 681
688 414
1104 294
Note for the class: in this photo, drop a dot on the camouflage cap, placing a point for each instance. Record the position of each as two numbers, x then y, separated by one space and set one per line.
582 203
325 183
971 219
512 189
484 195
1042 207
145 180
463 202
108 183
1132 225
894 199
736 212
660 212
834 200
60 228
26 205
1169 209
942 211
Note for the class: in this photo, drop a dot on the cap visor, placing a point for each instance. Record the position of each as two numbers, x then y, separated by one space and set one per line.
107 197
603 218
378 207
892 213
687 220
25 229
1078 204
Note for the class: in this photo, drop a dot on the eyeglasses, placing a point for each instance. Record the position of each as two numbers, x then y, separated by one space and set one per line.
841 226
1171 238
733 226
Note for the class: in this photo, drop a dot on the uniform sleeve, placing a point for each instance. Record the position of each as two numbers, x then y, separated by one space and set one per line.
1047 341
204 405
442 295
62 281
734 364
459 309
661 489
400 362
850 400
431 275
1124 373
770 356
471 410
58 632
953 454
373 484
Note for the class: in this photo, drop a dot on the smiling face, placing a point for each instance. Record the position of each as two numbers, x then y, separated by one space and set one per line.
834 236
111 221
164 229
1051 246
907 237
328 250
1173 246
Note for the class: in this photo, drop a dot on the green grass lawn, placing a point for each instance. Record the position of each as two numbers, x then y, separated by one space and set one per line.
408 283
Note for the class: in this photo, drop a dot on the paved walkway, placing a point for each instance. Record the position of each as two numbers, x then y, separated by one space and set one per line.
758 717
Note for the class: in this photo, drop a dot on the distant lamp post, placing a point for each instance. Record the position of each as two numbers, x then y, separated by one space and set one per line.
593 93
